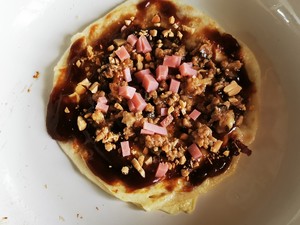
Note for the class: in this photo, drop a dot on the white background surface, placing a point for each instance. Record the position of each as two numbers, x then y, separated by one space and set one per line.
39 185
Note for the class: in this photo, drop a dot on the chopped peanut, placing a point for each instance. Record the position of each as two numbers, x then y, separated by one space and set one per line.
118 106
172 20
111 48
94 87
128 22
119 42
90 52
78 63
138 167
179 34
125 170
232 89
109 146
185 172
67 110
141 160
216 147
153 33
226 153
75 96
148 161
81 123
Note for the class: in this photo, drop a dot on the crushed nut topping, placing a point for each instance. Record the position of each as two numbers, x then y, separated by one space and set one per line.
176 106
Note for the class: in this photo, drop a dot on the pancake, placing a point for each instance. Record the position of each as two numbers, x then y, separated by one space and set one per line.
154 103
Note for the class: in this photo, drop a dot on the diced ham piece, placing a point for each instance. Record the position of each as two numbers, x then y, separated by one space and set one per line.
127 74
102 100
174 85
101 104
125 148
127 92
131 106
123 28
132 39
143 131
194 114
164 111
140 75
195 151
155 128
167 121
122 53
186 69
102 107
162 72
138 102
161 170
149 83
143 45
173 61
189 63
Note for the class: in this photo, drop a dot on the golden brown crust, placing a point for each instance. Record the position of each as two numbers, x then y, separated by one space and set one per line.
156 196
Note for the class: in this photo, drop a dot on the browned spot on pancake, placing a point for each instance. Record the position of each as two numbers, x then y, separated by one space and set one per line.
61 77
93 31
76 49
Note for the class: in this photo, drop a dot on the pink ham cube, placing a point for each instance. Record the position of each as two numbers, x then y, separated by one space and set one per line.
194 114
123 28
172 61
127 74
162 72
155 128
143 131
132 39
127 92
143 45
141 74
102 107
122 53
149 83
125 148
167 121
186 69
161 170
102 104
102 100
138 102
195 151
164 111
174 85
131 106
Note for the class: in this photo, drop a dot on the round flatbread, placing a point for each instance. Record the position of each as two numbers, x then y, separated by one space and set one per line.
154 138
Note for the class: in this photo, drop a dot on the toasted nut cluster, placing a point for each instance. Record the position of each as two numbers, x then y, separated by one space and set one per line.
206 103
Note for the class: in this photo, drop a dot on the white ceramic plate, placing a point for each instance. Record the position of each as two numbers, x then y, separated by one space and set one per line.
39 185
